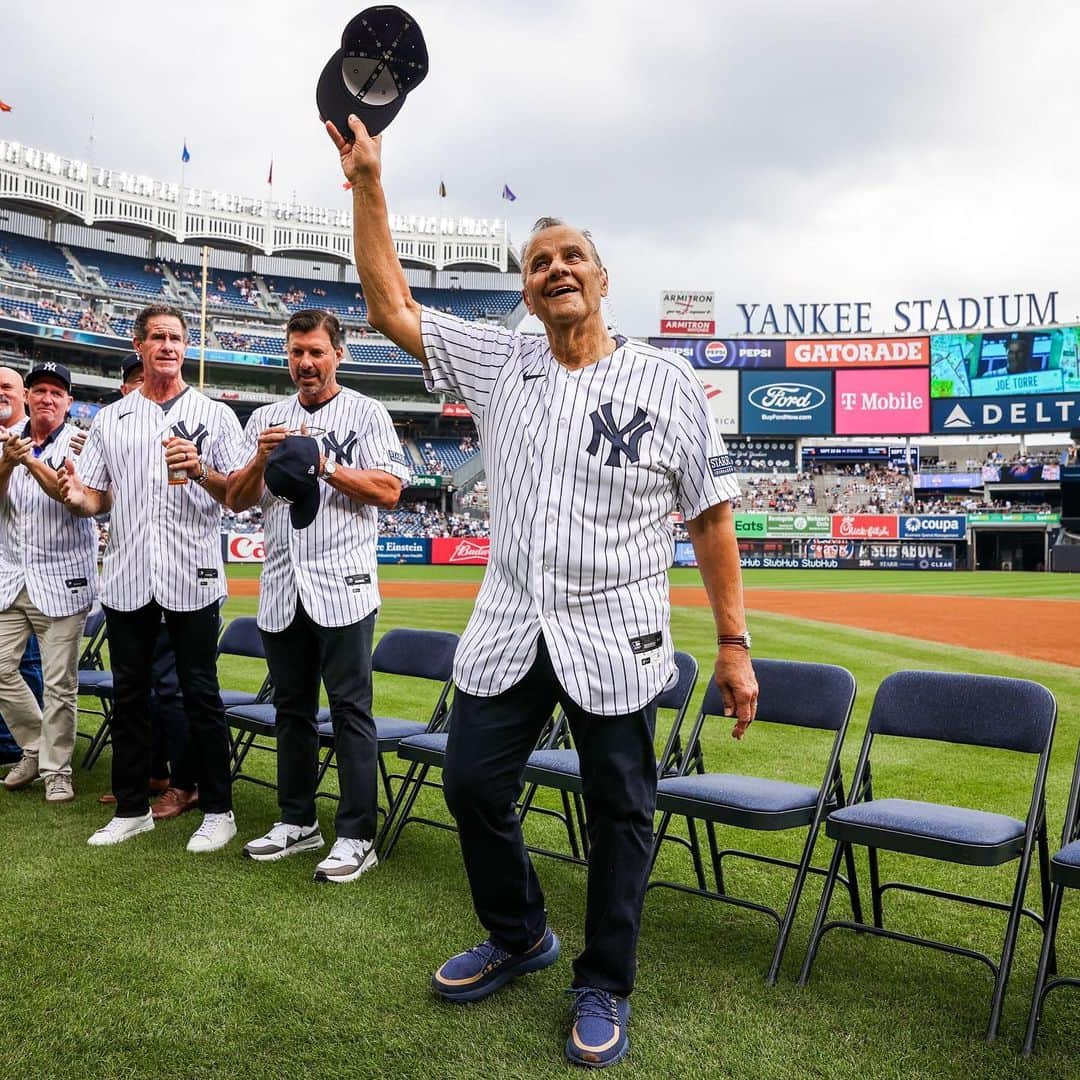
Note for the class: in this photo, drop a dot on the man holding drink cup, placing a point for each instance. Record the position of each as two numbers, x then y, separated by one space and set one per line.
159 459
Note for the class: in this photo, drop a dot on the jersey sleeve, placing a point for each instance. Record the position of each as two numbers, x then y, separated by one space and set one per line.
227 452
90 465
250 442
707 474
464 358
379 445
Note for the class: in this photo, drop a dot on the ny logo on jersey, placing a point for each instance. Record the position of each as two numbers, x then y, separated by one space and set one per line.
342 449
623 440
198 436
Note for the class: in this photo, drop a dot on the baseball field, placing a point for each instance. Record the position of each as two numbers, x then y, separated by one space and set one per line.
145 961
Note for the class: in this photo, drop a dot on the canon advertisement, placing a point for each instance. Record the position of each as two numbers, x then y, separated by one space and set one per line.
243 547
882 402
745 353
1052 412
800 403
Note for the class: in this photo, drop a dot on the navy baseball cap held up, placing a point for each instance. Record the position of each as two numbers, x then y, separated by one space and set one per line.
382 57
292 474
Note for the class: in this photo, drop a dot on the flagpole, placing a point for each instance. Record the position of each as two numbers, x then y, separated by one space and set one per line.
202 320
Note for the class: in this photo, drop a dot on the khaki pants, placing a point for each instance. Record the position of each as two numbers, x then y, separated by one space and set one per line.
52 735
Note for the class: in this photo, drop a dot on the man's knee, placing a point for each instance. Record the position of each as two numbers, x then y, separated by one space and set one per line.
468 790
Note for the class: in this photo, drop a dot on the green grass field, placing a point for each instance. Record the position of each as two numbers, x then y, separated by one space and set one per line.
144 961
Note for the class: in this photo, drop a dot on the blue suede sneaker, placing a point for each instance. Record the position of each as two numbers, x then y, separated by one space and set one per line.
598 1033
475 973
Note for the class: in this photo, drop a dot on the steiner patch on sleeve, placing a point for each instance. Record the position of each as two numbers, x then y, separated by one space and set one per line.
722 465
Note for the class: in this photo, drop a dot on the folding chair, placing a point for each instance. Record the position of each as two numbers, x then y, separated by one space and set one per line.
816 696
1064 874
417 654
977 710
95 681
557 766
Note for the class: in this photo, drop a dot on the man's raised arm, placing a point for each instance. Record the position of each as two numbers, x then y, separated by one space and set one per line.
391 308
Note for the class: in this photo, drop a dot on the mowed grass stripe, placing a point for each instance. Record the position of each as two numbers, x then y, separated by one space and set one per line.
143 960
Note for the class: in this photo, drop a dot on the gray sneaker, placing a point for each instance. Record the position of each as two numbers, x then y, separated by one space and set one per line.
283 840
58 788
25 772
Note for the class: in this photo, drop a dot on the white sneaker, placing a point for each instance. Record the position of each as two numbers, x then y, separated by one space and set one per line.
120 829
58 787
347 860
24 773
284 840
214 833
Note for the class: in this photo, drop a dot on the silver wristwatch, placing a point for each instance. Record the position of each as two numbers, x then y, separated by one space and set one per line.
329 468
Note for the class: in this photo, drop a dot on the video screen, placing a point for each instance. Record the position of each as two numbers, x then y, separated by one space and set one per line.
1005 363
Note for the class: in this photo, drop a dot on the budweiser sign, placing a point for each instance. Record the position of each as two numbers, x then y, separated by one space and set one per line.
865 526
446 551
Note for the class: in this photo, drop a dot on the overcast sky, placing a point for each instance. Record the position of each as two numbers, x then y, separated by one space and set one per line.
769 150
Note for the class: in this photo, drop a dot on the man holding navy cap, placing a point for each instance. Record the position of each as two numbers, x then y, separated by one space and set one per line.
47 584
320 465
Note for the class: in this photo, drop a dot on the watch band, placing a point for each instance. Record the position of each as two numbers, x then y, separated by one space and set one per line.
203 474
742 640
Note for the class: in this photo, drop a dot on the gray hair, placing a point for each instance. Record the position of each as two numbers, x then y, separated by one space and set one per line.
550 223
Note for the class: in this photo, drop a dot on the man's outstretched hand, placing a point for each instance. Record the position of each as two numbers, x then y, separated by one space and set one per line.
361 159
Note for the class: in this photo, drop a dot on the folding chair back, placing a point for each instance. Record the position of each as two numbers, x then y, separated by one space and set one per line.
974 710
423 654
241 637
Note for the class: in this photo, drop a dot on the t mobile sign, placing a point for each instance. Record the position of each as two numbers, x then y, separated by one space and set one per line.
882 402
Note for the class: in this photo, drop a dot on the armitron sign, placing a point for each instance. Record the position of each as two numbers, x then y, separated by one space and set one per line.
687 313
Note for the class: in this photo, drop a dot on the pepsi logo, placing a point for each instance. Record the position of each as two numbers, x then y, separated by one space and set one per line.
716 352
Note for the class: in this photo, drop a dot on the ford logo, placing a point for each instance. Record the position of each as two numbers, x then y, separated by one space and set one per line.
786 397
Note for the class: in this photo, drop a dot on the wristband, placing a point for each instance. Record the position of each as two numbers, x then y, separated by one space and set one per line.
735 639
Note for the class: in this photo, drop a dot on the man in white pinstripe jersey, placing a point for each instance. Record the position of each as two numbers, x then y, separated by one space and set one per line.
319 595
48 579
163 557
590 442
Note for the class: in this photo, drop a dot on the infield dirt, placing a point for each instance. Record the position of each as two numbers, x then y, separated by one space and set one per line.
1037 629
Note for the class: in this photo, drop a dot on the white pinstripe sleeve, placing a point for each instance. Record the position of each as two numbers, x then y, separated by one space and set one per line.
227 452
90 465
707 476
464 358
379 445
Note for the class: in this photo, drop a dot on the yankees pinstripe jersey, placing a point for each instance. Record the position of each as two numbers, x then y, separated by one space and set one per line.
584 468
164 540
330 565
42 546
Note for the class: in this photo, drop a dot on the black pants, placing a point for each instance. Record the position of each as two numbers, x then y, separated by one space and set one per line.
132 637
172 756
297 656
490 740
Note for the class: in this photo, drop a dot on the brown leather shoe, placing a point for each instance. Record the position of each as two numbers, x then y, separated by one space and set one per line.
173 803
157 787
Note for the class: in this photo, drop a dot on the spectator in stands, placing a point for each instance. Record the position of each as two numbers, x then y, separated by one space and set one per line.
514 665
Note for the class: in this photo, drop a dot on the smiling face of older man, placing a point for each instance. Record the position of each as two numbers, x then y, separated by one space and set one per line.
12 398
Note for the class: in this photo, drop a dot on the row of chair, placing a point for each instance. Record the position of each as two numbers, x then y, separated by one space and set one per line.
993 713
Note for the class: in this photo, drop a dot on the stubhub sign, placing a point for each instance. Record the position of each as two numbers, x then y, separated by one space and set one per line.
1046 412
800 404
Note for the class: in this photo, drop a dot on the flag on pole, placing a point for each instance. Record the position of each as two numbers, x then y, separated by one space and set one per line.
507 194
442 190
185 156
4 107
270 174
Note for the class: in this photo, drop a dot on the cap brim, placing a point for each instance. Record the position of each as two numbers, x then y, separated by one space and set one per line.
33 379
336 102
303 511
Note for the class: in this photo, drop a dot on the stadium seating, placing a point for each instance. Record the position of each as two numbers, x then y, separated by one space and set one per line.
262 344
124 273
381 354
37 258
795 695
973 710
338 297
470 303
448 452
29 311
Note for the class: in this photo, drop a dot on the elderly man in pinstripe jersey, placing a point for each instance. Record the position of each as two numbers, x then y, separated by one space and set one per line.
590 442
47 584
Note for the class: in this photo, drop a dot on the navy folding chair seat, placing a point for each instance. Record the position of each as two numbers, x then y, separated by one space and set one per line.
975 710
1064 874
556 766
810 696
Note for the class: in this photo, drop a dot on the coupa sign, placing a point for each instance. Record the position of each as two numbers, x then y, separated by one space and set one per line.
938 527
801 404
